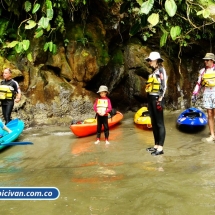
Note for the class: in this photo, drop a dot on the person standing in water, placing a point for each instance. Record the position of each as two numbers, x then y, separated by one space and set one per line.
102 107
13 93
206 79
156 88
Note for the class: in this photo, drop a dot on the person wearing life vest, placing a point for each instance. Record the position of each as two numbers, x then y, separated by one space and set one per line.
206 82
13 93
102 107
156 88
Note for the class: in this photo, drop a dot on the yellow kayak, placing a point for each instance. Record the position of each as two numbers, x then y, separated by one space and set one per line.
142 117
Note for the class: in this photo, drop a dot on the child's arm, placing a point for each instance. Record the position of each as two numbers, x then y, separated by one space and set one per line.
95 106
109 108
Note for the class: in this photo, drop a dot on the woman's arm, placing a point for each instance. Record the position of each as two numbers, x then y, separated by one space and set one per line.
198 84
163 78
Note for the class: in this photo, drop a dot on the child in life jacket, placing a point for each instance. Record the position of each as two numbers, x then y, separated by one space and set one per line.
102 107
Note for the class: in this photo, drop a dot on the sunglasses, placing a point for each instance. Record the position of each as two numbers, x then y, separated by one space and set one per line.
207 59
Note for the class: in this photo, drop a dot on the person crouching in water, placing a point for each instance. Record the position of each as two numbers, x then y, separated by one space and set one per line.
2 128
102 107
156 88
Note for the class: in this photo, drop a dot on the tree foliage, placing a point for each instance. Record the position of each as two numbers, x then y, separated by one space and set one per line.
41 18
177 21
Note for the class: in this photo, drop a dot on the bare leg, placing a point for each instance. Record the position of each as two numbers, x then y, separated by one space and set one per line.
211 114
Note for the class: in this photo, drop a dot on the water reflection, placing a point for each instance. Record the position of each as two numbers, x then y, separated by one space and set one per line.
121 178
80 146
86 144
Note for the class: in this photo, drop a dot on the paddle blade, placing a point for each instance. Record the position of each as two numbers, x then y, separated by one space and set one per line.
16 143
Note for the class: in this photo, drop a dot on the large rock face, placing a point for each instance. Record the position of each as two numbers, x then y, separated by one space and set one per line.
59 88
64 87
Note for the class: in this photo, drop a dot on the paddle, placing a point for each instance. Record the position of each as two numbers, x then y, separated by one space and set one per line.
16 143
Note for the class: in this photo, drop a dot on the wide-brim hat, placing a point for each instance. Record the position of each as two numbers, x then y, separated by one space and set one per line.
154 56
103 88
209 56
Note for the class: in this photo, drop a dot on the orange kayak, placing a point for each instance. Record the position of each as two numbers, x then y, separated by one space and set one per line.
90 127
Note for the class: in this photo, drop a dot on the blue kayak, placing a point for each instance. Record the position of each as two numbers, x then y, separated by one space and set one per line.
16 126
192 118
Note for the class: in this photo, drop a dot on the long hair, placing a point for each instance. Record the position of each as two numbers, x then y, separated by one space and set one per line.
160 63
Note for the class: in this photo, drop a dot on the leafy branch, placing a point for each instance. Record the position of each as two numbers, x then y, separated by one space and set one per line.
40 28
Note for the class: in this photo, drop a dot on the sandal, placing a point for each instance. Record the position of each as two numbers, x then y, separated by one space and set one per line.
155 153
151 149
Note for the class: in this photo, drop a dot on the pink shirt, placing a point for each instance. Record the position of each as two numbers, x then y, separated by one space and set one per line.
109 108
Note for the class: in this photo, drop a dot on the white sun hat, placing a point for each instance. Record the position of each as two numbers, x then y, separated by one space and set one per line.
209 56
154 56
103 88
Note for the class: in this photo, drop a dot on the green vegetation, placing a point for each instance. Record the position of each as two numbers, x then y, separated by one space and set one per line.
44 19
117 57
179 22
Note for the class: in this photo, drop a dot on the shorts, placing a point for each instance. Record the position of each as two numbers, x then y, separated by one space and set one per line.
209 101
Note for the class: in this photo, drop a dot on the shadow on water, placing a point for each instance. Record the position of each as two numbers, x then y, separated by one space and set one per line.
143 127
4 149
190 129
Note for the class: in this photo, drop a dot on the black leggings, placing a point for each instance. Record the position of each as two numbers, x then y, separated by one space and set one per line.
7 110
157 120
102 120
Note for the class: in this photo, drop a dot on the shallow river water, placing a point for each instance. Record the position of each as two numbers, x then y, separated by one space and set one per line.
120 178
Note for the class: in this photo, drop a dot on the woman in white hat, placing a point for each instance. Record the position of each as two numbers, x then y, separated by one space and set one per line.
102 107
156 88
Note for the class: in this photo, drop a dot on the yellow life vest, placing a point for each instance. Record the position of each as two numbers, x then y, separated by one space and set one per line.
6 92
208 79
102 105
153 84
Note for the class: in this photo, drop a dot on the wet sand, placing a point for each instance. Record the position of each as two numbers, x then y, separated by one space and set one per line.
120 178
